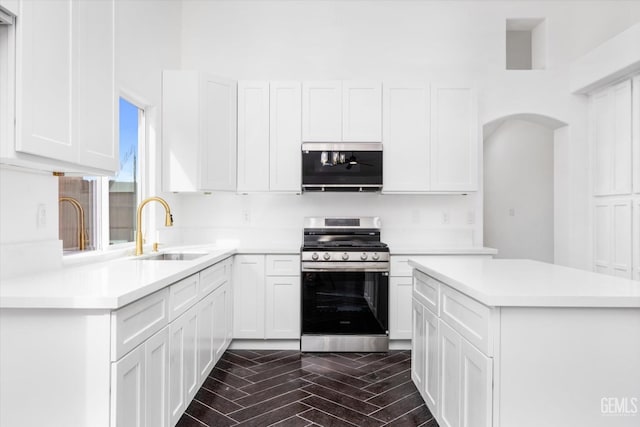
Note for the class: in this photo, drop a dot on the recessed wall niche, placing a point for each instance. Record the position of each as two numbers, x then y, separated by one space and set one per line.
526 44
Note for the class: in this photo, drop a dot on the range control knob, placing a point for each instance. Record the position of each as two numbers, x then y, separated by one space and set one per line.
375 256
326 256
345 256
315 256
363 256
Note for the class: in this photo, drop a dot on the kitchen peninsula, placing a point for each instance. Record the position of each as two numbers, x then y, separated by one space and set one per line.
523 343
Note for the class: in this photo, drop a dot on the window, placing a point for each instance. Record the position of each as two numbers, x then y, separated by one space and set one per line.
105 207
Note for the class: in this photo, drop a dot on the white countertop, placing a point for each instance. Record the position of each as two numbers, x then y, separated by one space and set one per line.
104 285
527 283
444 251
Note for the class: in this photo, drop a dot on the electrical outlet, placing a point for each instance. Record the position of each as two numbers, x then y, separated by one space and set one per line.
415 216
512 211
41 215
246 216
445 217
471 217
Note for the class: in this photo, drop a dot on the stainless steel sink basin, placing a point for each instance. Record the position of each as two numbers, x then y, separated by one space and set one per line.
173 257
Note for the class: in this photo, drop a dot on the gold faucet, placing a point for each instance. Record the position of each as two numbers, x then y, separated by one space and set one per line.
82 238
168 220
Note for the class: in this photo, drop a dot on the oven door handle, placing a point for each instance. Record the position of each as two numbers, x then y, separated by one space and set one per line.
337 267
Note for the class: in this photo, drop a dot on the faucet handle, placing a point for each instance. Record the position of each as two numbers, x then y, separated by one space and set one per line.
155 245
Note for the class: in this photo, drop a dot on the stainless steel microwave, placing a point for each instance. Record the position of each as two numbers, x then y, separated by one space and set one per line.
341 166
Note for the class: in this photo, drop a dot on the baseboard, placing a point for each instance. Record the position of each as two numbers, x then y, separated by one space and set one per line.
252 344
249 344
399 344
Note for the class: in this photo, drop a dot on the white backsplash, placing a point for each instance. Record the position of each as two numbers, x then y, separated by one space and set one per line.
276 220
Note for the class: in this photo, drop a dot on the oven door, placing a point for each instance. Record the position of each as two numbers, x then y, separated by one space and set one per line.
345 303
341 167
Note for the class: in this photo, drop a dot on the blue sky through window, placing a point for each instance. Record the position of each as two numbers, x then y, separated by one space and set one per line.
129 114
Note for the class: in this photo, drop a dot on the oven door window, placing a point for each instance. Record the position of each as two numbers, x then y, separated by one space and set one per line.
345 303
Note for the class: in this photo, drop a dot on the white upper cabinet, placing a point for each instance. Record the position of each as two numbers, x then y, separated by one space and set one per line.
361 111
44 79
285 136
199 132
322 111
612 240
269 136
336 111
454 139
253 136
636 136
65 86
611 112
406 113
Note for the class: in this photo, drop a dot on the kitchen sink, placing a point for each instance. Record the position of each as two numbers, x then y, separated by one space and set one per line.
173 257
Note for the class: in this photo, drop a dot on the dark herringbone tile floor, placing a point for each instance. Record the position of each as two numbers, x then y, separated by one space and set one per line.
289 388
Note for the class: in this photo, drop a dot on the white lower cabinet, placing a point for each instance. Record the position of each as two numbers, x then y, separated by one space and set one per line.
206 341
220 302
266 295
127 380
282 307
248 307
453 376
399 314
183 366
140 384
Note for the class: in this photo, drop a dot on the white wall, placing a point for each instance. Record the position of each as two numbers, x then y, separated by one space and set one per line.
519 191
441 41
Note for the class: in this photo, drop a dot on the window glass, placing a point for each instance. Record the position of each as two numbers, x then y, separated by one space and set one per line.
123 188
77 212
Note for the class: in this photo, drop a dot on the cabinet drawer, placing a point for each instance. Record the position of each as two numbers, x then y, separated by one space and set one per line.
467 316
213 277
283 265
426 290
134 323
400 266
182 295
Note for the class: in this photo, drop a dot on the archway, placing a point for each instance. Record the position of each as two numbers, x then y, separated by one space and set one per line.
524 175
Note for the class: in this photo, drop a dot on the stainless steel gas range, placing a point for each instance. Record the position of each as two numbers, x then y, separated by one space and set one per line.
345 285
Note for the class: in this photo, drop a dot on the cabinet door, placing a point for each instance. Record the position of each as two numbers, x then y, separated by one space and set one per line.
248 296
601 238
283 307
206 314
219 299
454 140
128 390
406 116
476 392
431 392
322 111
449 346
417 346
285 136
636 240
229 312
96 108
253 136
218 100
183 367
44 79
622 158
156 380
611 112
400 289
636 134
361 111
621 244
